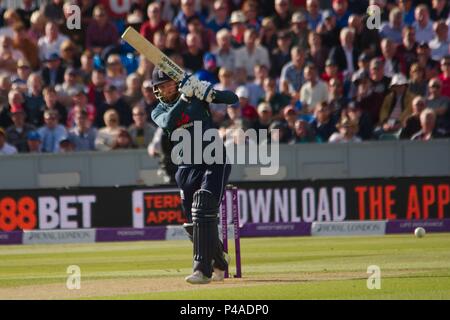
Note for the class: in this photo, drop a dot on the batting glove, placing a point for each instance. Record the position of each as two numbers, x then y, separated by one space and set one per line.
204 91
188 85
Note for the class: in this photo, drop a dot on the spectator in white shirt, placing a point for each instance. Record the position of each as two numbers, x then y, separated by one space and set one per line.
440 45
423 25
5 148
51 42
313 91
251 54
225 53
347 131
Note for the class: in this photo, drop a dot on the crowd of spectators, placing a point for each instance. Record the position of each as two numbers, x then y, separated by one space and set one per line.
314 69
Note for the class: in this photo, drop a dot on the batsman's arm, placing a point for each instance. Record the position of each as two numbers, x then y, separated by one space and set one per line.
167 119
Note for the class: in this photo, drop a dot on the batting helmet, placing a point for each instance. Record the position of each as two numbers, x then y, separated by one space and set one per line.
158 77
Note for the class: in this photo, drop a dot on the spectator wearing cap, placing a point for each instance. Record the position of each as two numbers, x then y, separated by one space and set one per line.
24 44
323 123
187 11
392 63
392 30
141 131
281 54
264 118
224 53
313 15
101 33
346 54
412 123
116 73
313 90
276 100
397 106
445 75
251 54
96 86
331 71
348 129
428 129
440 45
66 145
304 133
23 70
318 53
423 25
365 124
133 92
282 14
108 134
268 34
18 131
51 41
220 16
292 78
34 142
148 101
193 57
69 87
5 147
209 70
113 100
439 103
417 81
425 61
34 101
53 71
299 30
238 27
79 102
248 110
82 134
154 22
52 132
342 13
51 103
407 50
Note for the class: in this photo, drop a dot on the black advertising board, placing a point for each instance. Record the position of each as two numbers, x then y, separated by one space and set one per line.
276 201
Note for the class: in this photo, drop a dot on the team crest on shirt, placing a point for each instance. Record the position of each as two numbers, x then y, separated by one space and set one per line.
184 119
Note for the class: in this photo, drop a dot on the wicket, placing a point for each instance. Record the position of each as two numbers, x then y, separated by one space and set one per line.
235 218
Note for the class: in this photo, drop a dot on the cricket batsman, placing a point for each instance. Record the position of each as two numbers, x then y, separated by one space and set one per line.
201 185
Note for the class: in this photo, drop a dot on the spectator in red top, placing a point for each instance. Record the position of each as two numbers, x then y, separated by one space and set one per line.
445 75
237 22
101 32
332 71
248 111
154 22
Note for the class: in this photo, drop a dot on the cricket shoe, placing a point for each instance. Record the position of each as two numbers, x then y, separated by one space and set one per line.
197 278
218 274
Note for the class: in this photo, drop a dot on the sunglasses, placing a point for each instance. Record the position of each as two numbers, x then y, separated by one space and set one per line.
434 85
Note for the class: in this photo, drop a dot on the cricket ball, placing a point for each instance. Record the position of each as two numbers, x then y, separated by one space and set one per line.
419 232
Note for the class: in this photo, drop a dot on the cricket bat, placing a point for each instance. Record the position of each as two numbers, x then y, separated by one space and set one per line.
153 54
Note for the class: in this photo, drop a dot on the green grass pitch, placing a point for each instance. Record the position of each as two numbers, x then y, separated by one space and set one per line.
273 268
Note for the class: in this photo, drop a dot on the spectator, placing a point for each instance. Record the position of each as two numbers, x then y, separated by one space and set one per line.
10 18
406 51
51 103
438 103
250 10
279 133
365 124
407 9
123 141
34 142
417 82
423 25
207 37
424 60
445 75
393 29
313 14
141 131
440 10
25 45
225 54
113 100
79 101
23 70
281 54
8 55
251 54
66 145
219 111
51 41
187 11
53 72
440 45
313 91
303 133
291 78
412 123
96 86
365 39
380 82
34 101
154 22
289 117
107 135
219 18
25 11
37 28
392 64
248 111
336 99
264 119
255 88
347 131
268 34
340 10
428 126
87 66
52 132
15 98
69 54
115 72
53 11
193 58
346 55
133 91
237 22
328 30
276 100
282 15
299 30
5 147
82 134
101 33
148 101
17 133
68 87
317 52
397 106
323 124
